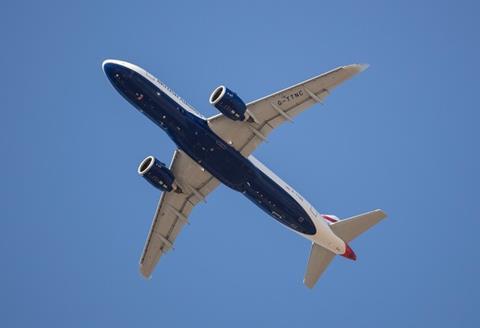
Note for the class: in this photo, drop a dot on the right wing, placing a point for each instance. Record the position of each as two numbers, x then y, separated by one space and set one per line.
269 112
174 207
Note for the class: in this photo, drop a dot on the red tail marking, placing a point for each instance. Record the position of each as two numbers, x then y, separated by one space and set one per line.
329 218
349 253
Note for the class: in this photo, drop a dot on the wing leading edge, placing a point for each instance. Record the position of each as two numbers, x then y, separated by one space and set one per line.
271 111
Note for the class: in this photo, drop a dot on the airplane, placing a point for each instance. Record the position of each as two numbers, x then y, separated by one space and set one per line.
219 149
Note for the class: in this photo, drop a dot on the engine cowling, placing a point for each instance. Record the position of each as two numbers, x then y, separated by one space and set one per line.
227 102
157 174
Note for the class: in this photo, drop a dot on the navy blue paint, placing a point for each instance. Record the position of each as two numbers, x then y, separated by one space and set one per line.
158 175
193 135
231 105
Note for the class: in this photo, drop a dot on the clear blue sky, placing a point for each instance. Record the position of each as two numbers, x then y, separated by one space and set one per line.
402 136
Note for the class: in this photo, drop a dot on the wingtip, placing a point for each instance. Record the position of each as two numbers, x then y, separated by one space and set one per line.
146 275
308 284
381 212
362 67
356 68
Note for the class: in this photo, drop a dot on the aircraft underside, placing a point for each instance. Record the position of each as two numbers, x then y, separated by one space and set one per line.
193 136
219 150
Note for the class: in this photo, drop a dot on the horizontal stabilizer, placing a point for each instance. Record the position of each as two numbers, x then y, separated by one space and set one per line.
350 228
319 259
347 230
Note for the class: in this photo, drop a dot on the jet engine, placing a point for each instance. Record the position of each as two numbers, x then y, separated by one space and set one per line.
157 174
227 102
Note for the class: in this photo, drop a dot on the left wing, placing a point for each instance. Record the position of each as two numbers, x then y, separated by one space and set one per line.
174 207
269 112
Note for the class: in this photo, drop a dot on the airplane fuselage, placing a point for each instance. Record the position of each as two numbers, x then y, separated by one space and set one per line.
191 133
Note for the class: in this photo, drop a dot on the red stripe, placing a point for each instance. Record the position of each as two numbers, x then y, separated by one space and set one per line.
328 218
349 253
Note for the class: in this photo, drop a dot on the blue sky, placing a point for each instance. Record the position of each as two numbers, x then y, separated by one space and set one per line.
402 136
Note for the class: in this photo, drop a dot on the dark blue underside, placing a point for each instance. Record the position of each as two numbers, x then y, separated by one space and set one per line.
195 138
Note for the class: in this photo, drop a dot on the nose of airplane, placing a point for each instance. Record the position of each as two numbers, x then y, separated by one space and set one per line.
108 65
117 69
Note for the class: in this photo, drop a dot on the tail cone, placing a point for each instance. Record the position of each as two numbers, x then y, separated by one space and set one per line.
349 253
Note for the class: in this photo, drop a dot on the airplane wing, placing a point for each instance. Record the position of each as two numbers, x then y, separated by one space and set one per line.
173 208
271 111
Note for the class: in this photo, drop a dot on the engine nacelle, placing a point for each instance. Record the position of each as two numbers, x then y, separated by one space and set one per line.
227 102
157 174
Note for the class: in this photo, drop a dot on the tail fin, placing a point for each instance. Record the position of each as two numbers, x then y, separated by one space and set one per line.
347 230
350 228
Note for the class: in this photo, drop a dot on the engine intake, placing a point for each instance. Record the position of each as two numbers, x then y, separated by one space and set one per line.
227 102
157 174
